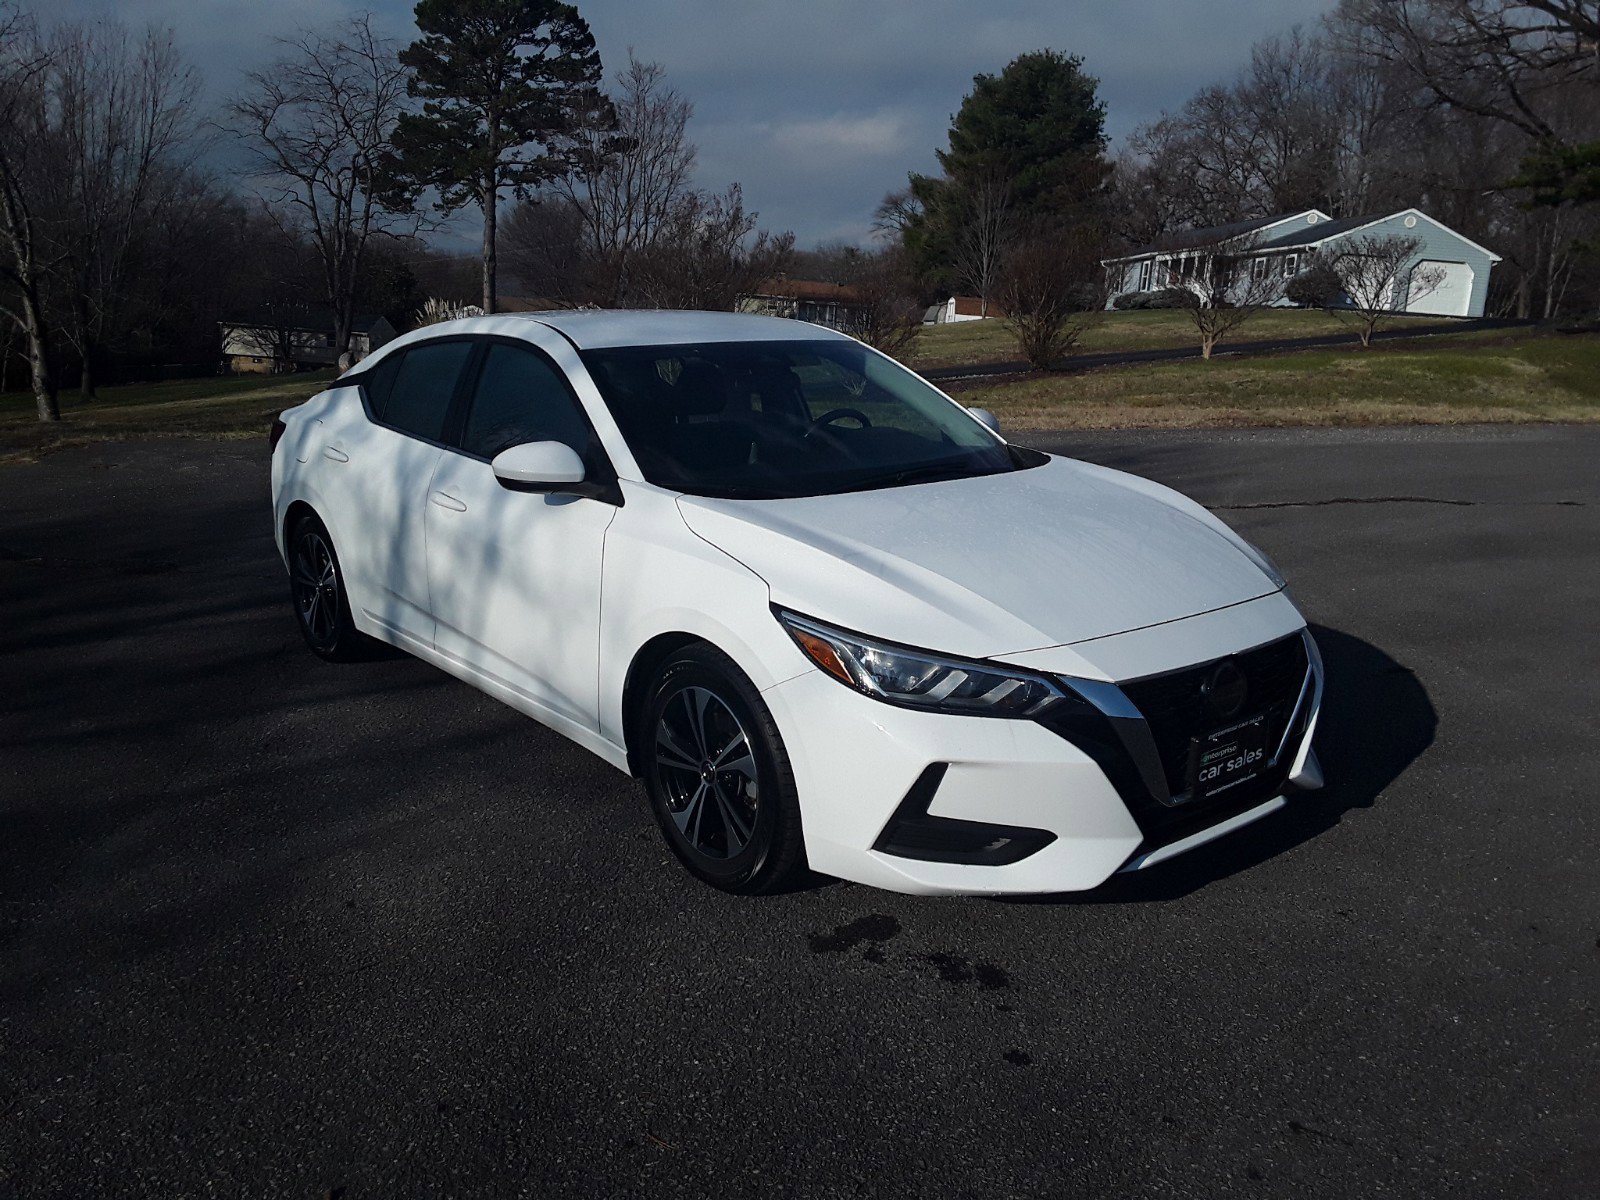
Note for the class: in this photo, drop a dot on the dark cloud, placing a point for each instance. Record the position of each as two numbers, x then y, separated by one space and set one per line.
817 107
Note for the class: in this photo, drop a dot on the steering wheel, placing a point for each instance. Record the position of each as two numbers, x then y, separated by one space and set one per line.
836 414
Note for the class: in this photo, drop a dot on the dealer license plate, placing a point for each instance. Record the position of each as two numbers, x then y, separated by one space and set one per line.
1221 761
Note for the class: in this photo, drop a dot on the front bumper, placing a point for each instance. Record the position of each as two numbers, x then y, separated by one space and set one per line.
879 784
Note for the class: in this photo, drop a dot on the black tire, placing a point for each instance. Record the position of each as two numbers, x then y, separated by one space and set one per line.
733 819
317 592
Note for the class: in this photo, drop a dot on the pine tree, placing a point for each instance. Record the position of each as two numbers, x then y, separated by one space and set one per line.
503 84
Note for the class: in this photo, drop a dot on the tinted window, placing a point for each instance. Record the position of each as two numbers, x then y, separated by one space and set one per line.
378 380
520 397
769 419
420 396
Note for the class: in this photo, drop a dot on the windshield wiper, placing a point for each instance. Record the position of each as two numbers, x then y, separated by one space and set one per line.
926 473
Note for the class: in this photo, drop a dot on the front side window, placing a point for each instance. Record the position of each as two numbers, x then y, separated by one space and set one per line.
520 397
418 398
788 418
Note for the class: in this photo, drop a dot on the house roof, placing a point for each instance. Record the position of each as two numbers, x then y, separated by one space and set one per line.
1301 233
809 289
973 306
309 318
526 304
1187 239
1332 229
1310 235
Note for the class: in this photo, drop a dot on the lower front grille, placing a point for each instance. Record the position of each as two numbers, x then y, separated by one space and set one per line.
1175 708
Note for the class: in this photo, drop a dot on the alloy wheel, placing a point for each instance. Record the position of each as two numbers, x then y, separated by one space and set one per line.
315 578
707 772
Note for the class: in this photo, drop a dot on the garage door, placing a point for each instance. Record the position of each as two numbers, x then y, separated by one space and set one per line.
1450 298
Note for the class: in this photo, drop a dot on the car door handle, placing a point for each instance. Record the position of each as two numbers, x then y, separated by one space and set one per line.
446 500
335 453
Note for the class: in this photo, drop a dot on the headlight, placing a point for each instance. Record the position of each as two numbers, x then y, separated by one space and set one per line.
914 679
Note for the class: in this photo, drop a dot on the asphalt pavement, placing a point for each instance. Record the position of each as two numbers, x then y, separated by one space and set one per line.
273 927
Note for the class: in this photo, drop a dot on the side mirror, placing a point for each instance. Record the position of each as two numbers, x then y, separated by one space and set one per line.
538 467
987 419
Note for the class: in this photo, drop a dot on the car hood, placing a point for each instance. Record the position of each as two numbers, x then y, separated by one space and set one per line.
998 564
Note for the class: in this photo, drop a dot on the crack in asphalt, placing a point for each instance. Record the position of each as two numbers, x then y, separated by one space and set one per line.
1333 500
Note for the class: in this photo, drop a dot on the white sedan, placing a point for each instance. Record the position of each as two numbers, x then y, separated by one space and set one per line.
827 615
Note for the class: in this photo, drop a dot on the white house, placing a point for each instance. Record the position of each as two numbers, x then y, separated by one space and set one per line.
1281 244
296 338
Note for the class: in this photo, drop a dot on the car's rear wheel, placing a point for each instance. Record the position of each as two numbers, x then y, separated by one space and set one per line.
316 585
718 776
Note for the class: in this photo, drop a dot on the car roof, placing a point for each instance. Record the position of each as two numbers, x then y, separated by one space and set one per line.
594 329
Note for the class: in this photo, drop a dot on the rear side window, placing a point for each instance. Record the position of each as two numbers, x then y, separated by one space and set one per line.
418 398
520 397
377 381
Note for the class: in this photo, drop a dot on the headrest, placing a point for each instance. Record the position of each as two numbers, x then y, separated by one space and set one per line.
701 390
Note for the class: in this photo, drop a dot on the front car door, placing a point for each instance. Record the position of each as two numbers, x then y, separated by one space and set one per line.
515 576
378 473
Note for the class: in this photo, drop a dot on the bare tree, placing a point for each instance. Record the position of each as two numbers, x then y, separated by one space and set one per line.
542 245
269 315
1530 64
1380 276
319 124
1226 286
1509 60
25 152
1054 290
123 112
898 212
623 225
708 254
628 177
889 318
983 235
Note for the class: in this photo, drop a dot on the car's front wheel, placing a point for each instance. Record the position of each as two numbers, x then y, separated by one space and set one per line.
718 775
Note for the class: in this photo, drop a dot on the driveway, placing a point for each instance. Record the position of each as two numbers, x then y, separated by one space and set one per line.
274 927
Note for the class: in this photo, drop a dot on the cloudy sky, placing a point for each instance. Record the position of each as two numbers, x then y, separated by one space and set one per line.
818 107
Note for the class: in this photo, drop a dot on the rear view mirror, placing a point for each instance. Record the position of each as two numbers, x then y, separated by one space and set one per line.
539 467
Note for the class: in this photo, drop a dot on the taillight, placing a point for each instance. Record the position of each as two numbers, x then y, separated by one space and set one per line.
276 436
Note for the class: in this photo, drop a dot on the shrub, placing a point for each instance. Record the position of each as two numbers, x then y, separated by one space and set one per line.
1171 297
1315 287
1053 291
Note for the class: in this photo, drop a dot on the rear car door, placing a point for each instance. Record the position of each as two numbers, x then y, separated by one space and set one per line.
378 471
515 576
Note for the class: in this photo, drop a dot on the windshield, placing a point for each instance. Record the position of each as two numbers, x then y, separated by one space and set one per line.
765 420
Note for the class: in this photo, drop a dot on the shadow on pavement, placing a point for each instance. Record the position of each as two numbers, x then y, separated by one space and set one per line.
1376 721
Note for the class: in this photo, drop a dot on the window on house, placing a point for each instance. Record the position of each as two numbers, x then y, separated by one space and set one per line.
1258 268
1291 264
1144 274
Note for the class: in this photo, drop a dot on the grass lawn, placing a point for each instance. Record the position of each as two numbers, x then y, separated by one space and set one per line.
1485 376
224 406
990 341
1522 377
